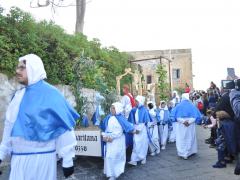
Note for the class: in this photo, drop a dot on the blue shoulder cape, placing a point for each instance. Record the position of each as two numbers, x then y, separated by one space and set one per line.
127 127
186 110
44 114
143 114
166 115
85 120
96 116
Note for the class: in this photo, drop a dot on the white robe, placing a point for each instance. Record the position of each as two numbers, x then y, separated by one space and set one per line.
163 131
140 141
34 166
186 141
175 101
127 106
115 152
154 145
172 136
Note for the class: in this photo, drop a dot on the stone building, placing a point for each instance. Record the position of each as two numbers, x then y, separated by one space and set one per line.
178 63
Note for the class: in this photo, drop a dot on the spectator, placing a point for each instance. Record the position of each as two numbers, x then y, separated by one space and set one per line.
213 126
215 90
205 104
212 100
187 89
226 144
199 103
235 102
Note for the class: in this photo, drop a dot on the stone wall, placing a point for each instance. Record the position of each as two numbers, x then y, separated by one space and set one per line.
9 86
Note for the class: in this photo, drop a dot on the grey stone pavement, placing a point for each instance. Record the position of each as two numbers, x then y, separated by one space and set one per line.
166 166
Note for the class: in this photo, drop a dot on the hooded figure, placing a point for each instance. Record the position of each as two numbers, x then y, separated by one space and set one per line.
39 124
114 127
99 112
140 117
174 102
186 115
175 98
154 145
163 121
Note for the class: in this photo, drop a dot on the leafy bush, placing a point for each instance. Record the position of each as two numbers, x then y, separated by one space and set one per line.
87 69
20 34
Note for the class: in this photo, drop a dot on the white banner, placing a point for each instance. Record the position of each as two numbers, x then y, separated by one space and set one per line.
88 143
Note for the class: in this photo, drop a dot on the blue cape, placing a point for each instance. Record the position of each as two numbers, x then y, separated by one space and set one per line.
166 116
84 122
127 127
96 116
186 110
44 114
144 116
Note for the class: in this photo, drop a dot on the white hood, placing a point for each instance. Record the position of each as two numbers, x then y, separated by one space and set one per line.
141 100
185 97
118 107
166 107
34 67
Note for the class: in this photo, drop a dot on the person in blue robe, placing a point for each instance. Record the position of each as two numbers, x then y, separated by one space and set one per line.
114 127
163 118
154 145
139 117
186 115
39 124
96 118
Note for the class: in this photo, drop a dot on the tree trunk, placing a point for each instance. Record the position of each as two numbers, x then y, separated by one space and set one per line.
80 13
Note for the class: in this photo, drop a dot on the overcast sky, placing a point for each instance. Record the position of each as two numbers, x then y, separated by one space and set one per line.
210 28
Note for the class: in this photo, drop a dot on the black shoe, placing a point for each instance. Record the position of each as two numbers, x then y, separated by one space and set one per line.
228 161
219 165
237 171
212 146
208 141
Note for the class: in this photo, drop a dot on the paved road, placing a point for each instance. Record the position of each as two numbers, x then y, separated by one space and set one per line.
166 166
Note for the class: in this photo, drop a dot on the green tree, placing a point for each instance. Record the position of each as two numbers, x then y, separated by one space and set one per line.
20 34
163 86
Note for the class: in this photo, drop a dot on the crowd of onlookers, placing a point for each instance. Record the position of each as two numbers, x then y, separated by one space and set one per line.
220 114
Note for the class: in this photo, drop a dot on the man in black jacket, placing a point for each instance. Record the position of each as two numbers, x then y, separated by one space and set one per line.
235 103
226 144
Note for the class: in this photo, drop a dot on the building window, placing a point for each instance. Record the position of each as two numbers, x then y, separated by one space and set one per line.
176 73
149 79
